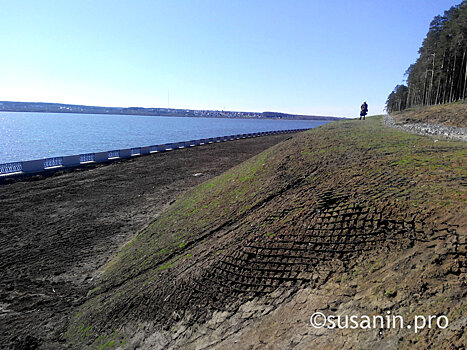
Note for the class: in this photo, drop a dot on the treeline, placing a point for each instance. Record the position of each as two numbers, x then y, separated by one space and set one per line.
440 73
45 107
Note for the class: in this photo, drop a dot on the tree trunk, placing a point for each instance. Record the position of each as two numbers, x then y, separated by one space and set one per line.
407 101
438 90
424 88
446 85
461 86
465 80
431 82
452 78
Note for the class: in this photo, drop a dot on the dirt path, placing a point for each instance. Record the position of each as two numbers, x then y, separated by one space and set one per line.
57 230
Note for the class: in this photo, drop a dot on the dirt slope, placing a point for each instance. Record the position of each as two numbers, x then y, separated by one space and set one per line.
351 217
57 229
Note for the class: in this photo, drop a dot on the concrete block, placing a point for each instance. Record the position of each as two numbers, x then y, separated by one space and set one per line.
32 166
71 160
125 153
101 156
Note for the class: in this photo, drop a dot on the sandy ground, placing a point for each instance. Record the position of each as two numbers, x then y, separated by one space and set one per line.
58 229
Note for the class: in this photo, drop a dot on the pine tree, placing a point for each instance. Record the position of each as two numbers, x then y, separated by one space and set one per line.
440 73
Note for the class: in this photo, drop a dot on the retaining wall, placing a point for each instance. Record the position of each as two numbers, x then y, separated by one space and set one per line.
38 165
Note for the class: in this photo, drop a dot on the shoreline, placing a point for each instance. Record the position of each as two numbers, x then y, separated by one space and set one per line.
60 227
47 107
401 221
33 166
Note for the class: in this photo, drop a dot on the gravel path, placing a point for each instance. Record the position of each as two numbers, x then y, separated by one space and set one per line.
428 129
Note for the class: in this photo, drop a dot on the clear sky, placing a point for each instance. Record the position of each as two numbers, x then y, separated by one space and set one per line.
317 57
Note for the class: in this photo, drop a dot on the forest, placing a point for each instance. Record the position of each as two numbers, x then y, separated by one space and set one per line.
440 73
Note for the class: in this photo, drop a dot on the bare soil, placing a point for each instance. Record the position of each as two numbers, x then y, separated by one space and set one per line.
58 228
350 218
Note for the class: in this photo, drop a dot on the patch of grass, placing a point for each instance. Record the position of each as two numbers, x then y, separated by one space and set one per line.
391 292
168 265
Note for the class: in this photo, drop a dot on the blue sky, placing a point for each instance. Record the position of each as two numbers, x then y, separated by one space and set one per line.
305 57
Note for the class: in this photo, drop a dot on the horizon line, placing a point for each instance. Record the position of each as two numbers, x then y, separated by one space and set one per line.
170 108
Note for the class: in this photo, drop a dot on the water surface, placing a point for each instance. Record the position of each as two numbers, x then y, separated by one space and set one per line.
26 136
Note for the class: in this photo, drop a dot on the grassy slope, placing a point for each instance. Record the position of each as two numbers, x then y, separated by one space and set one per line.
451 114
362 167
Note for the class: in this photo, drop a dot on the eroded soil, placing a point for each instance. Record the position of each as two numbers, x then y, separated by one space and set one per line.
353 217
58 229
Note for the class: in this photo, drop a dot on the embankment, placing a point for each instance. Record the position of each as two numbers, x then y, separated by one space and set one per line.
57 228
350 218
450 114
449 120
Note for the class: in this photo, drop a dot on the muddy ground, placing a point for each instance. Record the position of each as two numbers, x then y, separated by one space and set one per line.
58 229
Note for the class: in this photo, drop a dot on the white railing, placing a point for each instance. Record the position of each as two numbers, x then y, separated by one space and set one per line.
38 165
53 162
87 157
14 167
114 154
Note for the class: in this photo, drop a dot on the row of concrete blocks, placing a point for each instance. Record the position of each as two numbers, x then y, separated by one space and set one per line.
38 165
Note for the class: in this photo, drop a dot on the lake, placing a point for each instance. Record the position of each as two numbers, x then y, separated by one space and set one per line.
27 136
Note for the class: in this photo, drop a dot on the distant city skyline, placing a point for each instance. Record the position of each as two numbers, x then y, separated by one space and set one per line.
299 57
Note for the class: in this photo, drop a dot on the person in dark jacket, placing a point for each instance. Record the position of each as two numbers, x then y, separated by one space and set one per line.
363 110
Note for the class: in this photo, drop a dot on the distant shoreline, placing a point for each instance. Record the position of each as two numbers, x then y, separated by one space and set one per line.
43 107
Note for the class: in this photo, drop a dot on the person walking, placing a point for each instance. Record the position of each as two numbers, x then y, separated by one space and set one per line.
363 110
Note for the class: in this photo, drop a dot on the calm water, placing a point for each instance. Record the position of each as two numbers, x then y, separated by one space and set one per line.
26 136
